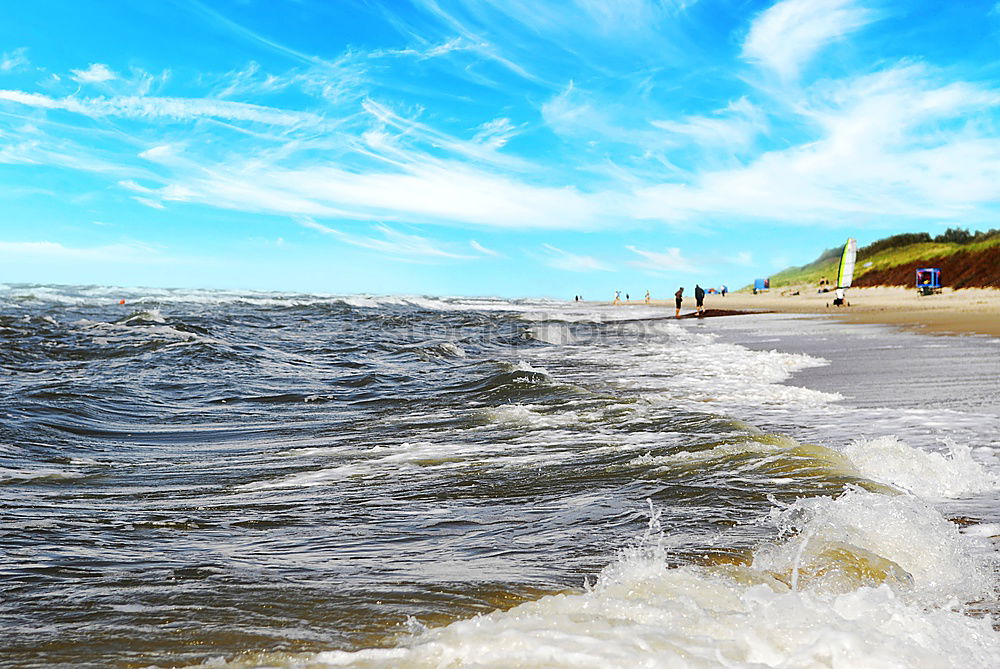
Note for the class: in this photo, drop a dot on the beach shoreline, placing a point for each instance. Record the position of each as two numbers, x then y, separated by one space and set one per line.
965 311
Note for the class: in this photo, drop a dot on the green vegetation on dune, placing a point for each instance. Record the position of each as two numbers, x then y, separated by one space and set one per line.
807 274
905 249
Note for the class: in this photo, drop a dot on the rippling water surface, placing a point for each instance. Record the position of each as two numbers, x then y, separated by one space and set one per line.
208 478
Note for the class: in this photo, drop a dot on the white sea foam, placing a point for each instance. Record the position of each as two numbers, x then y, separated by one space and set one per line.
148 316
318 477
453 349
126 333
695 367
672 364
102 295
899 609
940 562
606 315
8 474
530 416
931 475
686 618
525 366
419 458
552 333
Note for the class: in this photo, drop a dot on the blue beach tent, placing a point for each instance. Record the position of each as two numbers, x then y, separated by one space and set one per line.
928 280
760 285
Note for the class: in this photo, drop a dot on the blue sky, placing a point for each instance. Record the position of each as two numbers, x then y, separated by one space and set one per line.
465 147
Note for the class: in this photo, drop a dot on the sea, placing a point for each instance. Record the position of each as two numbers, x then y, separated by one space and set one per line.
198 478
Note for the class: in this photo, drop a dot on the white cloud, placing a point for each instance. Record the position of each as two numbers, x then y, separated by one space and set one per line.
570 113
13 60
47 150
785 37
161 153
419 133
142 82
571 262
334 82
482 249
129 253
95 74
629 17
20 153
495 133
133 186
425 193
30 99
152 204
456 44
672 260
449 46
669 261
161 107
394 242
734 127
896 144
241 81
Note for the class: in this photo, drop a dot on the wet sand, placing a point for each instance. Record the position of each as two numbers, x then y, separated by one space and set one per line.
966 311
711 313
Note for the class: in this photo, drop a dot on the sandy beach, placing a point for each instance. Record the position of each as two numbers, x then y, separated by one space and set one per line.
966 311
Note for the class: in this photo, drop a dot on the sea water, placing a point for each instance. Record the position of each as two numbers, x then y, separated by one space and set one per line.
222 479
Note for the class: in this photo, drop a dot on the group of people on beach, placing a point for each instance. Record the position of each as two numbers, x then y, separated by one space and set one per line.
699 300
618 297
699 297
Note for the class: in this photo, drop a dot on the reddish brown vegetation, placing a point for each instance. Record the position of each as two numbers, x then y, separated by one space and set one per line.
966 269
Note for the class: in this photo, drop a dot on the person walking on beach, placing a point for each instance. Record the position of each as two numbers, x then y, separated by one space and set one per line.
618 297
678 298
699 299
647 297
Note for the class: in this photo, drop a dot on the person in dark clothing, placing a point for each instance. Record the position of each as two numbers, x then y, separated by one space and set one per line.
678 298
699 299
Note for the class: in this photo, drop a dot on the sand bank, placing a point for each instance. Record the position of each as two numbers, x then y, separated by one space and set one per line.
970 310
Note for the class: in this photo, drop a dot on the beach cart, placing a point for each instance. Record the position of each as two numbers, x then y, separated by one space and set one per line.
928 280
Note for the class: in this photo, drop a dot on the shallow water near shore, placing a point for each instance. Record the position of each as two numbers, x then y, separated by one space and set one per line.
205 478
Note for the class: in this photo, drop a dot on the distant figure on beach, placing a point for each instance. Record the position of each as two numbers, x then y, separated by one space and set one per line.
838 300
576 298
678 298
627 298
725 289
618 297
699 299
647 297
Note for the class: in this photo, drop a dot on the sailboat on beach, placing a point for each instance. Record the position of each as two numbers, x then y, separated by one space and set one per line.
845 272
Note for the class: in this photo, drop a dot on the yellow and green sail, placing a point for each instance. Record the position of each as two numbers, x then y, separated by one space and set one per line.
845 273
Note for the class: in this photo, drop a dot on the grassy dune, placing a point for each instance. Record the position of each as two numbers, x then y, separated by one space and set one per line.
893 265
